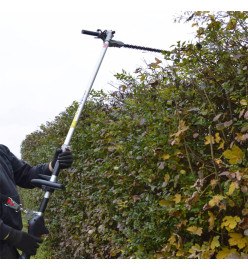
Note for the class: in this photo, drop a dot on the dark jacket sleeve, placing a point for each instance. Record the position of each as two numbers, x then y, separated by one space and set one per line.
4 230
23 172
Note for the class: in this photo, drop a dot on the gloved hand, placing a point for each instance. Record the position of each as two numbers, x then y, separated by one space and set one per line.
23 241
65 159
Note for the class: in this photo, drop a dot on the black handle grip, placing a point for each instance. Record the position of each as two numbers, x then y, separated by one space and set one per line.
44 183
91 33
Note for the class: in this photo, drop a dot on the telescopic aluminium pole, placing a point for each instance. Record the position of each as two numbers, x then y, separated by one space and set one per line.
66 145
36 225
109 35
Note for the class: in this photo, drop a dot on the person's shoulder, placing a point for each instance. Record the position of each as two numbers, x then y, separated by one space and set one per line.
4 148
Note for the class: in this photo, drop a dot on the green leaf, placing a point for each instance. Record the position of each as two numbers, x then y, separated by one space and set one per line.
235 155
215 242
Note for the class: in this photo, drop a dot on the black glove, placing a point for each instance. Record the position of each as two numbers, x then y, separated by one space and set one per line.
23 241
65 159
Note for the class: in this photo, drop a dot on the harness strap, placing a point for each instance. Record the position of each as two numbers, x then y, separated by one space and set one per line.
3 198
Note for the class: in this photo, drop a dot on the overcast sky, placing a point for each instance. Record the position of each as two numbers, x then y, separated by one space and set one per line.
46 62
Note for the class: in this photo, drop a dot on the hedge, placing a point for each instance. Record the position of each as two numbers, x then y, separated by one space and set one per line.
160 166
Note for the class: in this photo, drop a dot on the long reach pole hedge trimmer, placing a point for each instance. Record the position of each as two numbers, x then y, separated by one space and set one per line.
36 224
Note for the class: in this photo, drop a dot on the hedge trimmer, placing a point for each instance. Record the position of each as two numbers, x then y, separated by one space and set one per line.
36 224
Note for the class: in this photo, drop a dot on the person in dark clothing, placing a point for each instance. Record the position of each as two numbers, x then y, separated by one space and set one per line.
15 172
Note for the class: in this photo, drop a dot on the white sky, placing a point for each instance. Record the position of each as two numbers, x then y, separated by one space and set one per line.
45 61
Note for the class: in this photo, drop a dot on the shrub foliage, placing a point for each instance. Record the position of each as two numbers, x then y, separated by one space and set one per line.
160 167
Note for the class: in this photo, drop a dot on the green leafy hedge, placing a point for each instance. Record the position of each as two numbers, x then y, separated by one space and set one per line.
160 166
